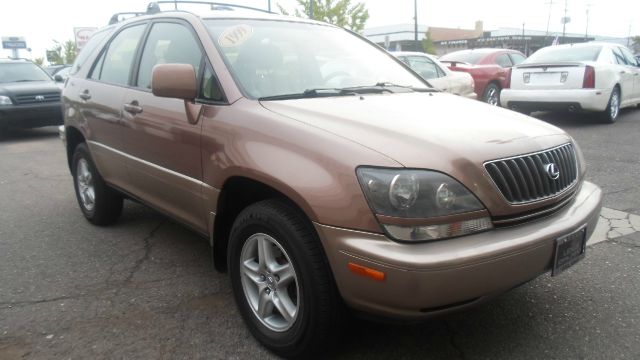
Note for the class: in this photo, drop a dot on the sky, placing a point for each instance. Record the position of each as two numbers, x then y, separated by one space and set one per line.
43 21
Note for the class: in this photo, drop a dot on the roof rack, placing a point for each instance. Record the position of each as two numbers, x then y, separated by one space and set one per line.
115 18
154 8
214 5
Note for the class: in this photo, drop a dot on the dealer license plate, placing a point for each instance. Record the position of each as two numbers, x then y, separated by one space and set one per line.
569 250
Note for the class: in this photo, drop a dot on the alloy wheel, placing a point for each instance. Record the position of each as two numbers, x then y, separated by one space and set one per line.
269 282
86 188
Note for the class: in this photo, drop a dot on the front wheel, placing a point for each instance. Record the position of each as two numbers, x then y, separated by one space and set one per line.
610 114
100 204
281 281
492 95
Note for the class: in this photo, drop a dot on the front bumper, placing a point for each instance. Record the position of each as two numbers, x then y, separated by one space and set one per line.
440 276
33 115
541 100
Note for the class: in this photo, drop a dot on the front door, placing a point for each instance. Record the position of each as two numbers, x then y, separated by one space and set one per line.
165 167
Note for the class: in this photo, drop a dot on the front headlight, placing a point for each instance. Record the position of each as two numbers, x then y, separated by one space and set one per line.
5 100
429 198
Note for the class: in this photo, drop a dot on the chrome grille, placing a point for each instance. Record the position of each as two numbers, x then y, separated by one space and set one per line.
526 178
37 98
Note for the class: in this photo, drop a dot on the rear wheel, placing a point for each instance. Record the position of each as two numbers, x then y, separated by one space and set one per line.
610 114
492 95
281 280
100 204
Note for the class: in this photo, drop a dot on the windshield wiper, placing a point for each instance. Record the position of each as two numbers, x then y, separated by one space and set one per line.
310 93
386 84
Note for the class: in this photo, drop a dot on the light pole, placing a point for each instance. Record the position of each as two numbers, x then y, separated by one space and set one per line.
311 9
269 5
415 24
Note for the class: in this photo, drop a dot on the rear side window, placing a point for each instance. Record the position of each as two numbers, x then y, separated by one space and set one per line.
168 43
517 58
628 56
115 65
503 61
89 48
425 67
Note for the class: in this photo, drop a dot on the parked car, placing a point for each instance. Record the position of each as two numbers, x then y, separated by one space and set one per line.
362 189
600 77
53 69
488 67
29 98
437 74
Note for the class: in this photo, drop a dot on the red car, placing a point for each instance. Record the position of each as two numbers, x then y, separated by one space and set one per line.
489 68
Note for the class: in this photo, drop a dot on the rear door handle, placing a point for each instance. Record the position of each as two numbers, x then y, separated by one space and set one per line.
133 107
85 95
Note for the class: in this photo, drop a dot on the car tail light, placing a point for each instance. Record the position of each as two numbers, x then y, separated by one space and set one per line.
507 80
589 81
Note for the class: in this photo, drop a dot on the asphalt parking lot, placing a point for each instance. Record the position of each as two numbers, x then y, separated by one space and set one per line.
145 288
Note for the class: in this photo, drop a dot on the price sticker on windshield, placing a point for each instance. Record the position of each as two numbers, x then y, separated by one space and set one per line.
235 36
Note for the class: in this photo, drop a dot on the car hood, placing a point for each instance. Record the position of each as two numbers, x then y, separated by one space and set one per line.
425 130
29 87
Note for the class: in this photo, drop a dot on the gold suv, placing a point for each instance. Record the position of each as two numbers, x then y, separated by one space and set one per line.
327 176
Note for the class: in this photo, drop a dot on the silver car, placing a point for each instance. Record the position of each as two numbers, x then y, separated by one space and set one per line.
437 74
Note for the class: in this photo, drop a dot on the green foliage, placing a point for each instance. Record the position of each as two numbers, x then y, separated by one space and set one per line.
39 61
635 44
61 54
54 54
70 51
427 44
337 12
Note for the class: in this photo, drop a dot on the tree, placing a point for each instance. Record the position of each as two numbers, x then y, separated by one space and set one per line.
39 61
62 53
337 12
70 51
635 43
54 55
427 44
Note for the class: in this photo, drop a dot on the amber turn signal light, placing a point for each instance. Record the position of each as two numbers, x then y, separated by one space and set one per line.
367 272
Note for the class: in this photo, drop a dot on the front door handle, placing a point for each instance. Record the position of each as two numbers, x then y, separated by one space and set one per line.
133 107
85 95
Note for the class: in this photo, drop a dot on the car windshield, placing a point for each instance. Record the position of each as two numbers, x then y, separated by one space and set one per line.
275 58
555 54
18 72
464 56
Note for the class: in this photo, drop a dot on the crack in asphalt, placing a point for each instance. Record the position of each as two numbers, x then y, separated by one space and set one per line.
138 263
452 340
144 258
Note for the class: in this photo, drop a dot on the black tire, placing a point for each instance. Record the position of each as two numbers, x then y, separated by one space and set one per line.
107 203
612 112
492 94
320 311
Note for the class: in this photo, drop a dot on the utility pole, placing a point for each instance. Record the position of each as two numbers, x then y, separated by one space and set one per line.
524 48
415 23
269 5
564 19
586 31
629 35
311 9
549 17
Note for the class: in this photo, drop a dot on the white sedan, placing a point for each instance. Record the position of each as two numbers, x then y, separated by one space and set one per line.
600 77
437 74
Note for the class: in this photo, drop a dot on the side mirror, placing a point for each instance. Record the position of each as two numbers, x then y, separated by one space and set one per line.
174 81
178 81
58 78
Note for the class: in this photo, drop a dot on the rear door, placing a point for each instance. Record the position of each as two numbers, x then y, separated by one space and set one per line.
626 72
101 96
165 166
633 67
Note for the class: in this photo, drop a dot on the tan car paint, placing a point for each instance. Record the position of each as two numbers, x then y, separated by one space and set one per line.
309 150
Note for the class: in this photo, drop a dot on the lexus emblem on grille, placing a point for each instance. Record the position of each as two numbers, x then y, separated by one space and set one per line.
552 171
39 98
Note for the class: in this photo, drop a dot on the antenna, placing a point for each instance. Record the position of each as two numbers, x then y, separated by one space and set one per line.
549 17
